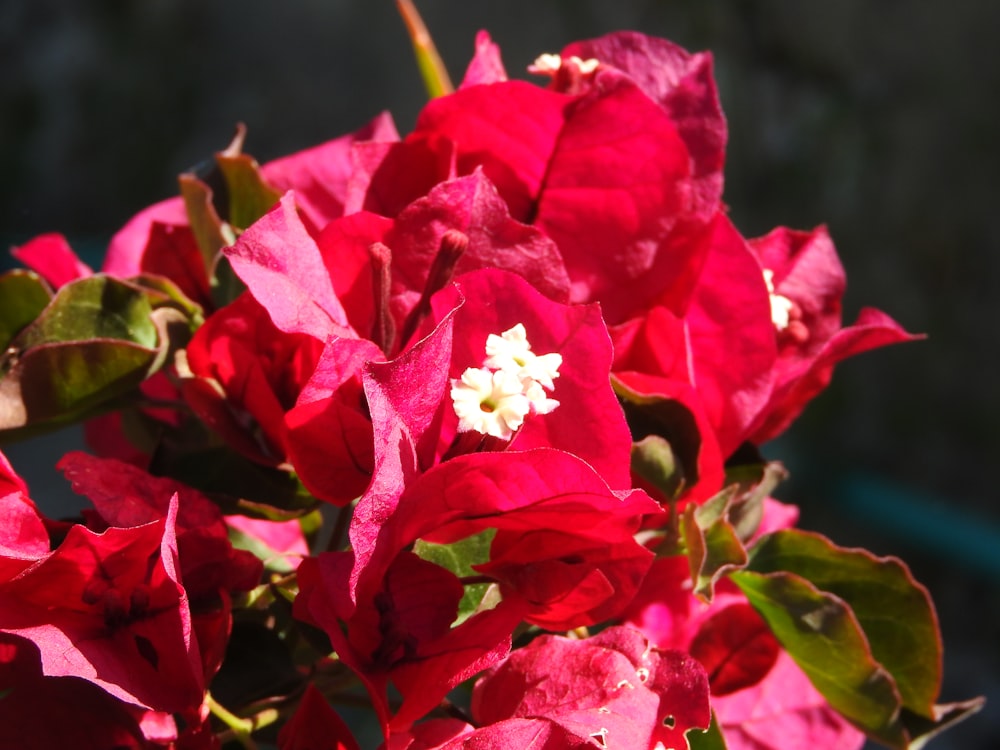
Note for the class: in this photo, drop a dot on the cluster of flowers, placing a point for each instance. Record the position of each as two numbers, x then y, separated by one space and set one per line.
522 359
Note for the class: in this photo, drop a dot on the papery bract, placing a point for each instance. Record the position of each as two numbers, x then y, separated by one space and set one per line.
51 713
614 689
808 277
51 257
109 608
315 724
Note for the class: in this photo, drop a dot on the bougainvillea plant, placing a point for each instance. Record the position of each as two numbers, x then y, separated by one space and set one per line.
458 430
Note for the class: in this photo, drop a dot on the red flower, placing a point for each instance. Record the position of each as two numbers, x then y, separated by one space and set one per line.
610 690
110 608
52 713
807 286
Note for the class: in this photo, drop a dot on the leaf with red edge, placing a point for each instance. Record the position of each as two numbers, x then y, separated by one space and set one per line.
96 339
315 724
894 610
249 195
23 296
713 544
824 637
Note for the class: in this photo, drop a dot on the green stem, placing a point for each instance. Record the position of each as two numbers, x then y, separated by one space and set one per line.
241 728
432 69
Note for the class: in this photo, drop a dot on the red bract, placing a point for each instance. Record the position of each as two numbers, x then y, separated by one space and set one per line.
50 256
52 713
245 375
314 725
808 285
715 342
604 174
109 608
23 536
398 609
611 690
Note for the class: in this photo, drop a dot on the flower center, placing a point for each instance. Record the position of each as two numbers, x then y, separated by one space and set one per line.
570 75
785 314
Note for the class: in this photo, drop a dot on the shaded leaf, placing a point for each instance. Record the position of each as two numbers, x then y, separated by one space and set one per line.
713 545
706 739
459 557
23 296
824 637
250 197
893 610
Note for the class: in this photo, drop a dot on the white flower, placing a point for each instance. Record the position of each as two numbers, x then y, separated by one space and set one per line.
781 307
511 351
491 403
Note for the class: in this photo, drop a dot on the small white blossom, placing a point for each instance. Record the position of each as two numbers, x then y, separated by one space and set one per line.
491 403
539 399
549 64
781 307
511 351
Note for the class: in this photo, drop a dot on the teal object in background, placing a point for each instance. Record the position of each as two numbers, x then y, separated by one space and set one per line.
948 531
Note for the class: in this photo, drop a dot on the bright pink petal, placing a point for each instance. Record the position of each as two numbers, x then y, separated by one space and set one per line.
684 85
281 265
127 249
486 66
783 712
51 257
320 175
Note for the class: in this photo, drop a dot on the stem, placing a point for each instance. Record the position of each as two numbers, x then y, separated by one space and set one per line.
240 728
432 69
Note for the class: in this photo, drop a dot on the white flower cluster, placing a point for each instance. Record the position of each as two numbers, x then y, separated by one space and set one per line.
495 398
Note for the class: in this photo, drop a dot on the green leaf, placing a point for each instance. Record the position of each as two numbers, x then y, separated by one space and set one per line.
715 531
668 419
209 231
97 307
860 627
23 296
706 739
894 610
459 557
96 340
713 545
250 197
824 638
653 459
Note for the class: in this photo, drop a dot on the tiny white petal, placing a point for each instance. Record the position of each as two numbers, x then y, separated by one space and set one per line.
781 307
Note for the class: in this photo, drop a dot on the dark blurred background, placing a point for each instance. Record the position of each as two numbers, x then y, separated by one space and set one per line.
876 117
